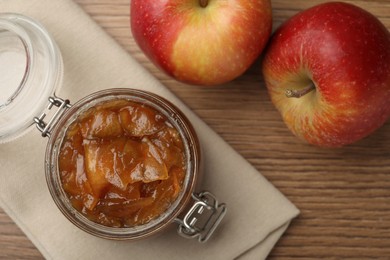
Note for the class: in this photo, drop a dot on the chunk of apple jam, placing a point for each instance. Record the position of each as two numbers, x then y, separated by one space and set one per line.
122 163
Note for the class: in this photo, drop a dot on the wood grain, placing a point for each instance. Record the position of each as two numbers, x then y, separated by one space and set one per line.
343 194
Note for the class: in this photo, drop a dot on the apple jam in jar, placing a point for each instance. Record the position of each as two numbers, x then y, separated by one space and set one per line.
125 164
122 163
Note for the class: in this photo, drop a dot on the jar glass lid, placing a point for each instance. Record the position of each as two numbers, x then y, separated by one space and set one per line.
30 72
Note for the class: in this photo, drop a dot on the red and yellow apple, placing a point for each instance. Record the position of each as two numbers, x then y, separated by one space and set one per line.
203 42
327 71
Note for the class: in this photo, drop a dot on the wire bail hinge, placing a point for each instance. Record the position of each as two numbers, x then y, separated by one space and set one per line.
203 217
46 128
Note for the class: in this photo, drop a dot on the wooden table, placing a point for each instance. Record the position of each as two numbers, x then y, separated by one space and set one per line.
343 194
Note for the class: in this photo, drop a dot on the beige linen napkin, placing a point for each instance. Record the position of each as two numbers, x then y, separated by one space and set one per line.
257 214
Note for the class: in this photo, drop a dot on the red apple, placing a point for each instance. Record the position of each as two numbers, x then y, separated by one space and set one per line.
204 42
327 71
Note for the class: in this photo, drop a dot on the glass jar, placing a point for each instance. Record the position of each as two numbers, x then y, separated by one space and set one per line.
35 66
31 70
200 201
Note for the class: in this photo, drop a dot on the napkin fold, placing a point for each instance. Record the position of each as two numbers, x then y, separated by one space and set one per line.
257 216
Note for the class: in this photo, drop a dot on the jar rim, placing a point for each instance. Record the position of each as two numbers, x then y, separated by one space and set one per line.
192 150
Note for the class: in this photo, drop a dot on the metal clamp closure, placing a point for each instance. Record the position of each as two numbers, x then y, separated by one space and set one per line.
202 218
46 128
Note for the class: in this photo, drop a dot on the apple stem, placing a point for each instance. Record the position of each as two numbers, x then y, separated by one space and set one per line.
295 93
203 3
